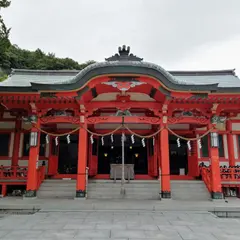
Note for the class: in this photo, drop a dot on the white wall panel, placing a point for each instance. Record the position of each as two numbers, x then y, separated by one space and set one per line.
10 152
236 126
235 146
225 145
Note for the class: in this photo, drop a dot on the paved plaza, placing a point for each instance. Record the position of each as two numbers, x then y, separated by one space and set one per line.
124 224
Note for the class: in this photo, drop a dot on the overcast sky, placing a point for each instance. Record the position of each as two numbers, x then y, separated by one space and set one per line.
176 34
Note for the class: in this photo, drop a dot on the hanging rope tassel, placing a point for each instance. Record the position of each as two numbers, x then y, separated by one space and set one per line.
91 139
56 141
102 139
143 142
132 139
47 139
112 139
153 141
189 145
199 143
68 139
178 142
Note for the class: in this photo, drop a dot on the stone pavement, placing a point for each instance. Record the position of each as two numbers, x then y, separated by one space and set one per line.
124 224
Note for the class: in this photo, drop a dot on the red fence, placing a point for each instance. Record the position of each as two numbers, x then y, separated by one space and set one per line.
40 176
13 173
231 174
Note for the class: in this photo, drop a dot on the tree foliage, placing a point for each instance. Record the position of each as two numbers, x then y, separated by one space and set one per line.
11 56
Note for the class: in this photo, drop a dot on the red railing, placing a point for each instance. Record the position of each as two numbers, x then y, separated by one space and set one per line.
40 176
13 172
206 177
230 174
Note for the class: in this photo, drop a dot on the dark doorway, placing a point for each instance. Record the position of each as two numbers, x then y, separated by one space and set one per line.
112 153
68 155
178 156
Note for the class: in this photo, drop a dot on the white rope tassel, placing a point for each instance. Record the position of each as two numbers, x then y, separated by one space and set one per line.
199 143
189 145
68 139
47 139
112 139
153 141
91 139
102 139
56 141
178 142
143 142
132 139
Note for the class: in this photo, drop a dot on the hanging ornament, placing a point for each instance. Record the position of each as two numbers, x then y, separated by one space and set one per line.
56 141
178 142
68 139
132 139
143 142
112 139
189 145
47 139
91 139
102 139
199 143
153 141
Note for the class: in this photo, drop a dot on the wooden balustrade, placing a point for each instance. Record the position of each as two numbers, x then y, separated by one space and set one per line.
40 176
13 172
206 177
231 174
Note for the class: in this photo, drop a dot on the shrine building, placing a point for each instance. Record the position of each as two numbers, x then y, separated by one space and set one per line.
121 118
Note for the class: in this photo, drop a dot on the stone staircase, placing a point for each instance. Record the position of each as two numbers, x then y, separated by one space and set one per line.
136 189
57 188
189 190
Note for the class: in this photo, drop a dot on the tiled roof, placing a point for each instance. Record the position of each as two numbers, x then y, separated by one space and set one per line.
24 77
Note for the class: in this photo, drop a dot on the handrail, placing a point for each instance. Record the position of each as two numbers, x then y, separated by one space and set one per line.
40 176
205 172
86 181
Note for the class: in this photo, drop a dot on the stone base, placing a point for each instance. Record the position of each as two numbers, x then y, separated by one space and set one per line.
165 194
217 195
80 194
30 194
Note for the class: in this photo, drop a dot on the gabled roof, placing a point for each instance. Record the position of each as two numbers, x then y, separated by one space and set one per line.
124 62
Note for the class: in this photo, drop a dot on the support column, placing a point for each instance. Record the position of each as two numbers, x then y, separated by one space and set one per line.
230 144
82 163
164 162
16 143
215 168
32 163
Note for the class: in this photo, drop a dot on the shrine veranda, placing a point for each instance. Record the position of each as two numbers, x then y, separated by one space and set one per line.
181 125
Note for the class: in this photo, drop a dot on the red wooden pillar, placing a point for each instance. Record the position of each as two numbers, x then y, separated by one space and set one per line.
215 168
16 143
164 163
32 165
230 144
82 163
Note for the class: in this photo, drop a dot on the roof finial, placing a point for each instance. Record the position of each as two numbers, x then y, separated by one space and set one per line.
124 55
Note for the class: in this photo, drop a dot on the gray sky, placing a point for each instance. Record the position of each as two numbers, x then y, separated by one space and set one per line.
176 34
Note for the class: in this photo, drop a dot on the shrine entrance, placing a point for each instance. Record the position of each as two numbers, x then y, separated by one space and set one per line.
178 156
111 153
68 155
